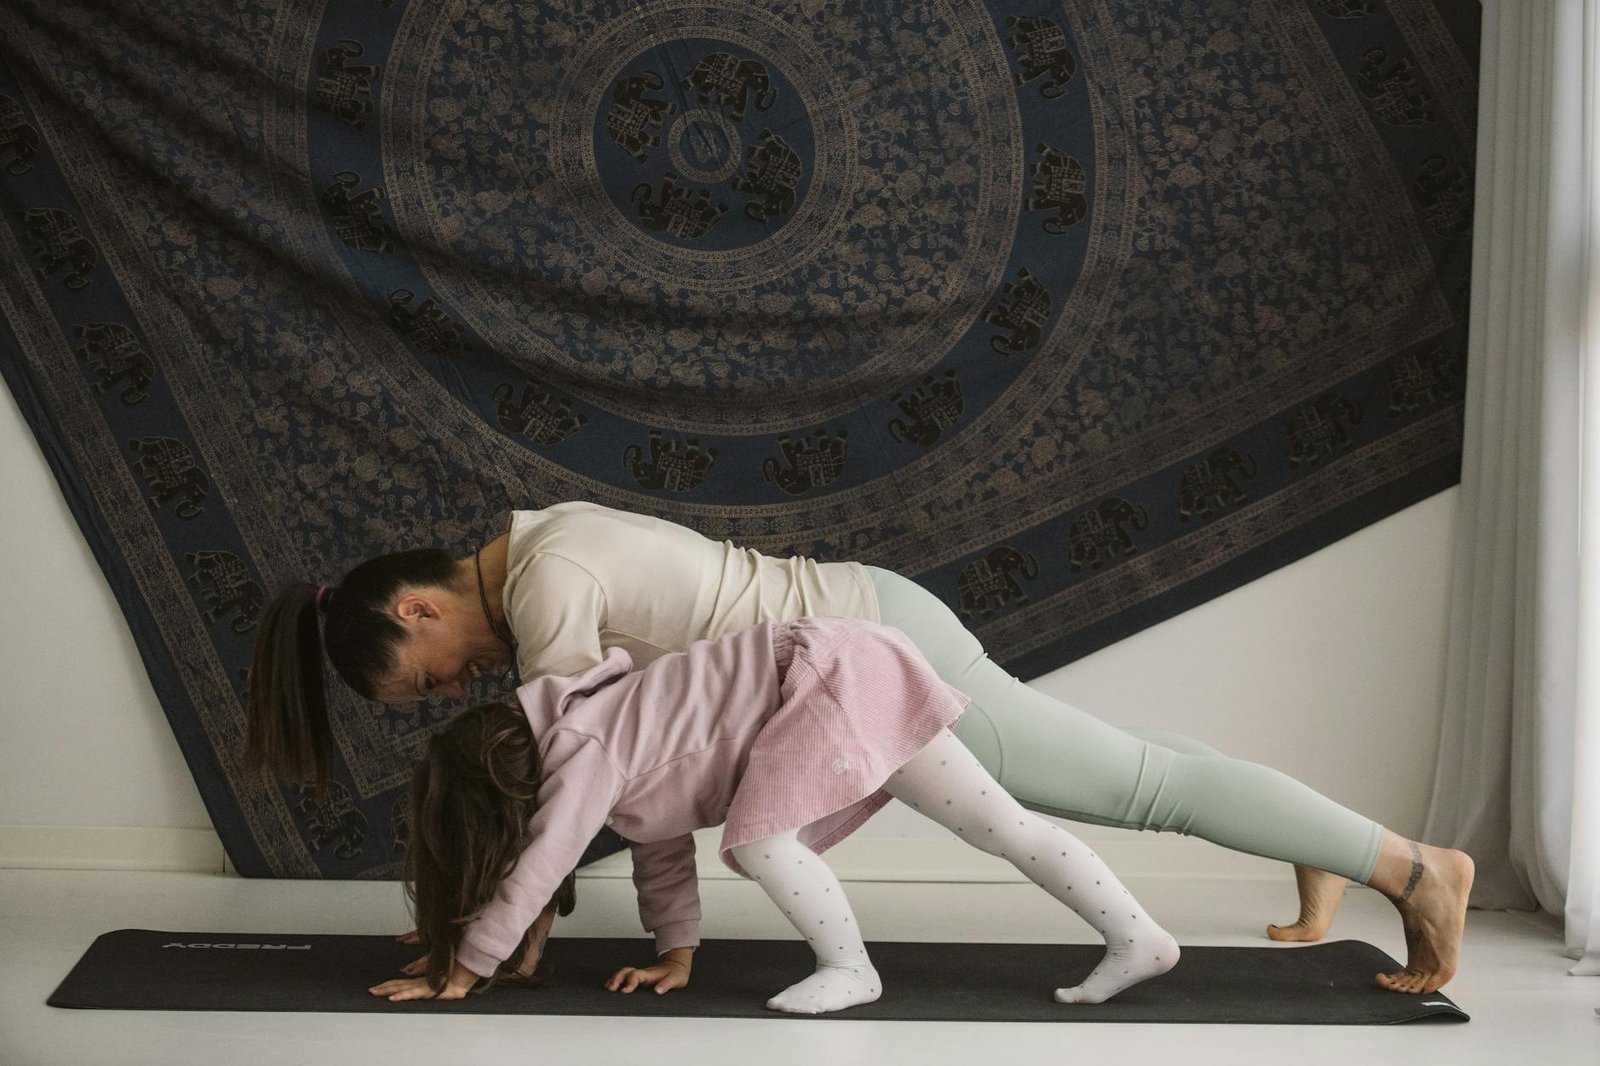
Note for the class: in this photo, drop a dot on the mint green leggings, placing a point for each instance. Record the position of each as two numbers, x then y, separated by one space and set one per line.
1058 760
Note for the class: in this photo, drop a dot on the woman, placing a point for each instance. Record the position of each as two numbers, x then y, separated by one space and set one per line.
567 582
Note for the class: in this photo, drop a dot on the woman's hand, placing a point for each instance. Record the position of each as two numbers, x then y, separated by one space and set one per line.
400 989
416 966
670 971
538 935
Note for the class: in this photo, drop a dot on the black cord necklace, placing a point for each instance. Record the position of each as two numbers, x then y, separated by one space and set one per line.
483 597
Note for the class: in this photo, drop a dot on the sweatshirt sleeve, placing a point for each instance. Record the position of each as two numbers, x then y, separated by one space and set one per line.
556 609
669 892
580 786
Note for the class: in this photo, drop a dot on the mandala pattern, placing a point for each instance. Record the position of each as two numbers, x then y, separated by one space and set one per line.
1077 312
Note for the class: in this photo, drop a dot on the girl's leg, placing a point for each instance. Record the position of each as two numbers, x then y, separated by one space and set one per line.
1057 759
945 782
810 896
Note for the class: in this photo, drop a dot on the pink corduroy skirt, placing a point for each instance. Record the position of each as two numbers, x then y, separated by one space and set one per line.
858 701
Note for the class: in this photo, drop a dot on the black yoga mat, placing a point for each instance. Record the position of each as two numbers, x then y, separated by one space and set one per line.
1325 984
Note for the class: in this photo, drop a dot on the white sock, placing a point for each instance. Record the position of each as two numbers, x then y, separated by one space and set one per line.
810 896
945 782
829 989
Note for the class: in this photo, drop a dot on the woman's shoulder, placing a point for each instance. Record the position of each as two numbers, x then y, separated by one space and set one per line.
589 530
581 515
559 526
567 511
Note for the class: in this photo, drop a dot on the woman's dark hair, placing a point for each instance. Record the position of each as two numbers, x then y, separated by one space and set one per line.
472 796
286 727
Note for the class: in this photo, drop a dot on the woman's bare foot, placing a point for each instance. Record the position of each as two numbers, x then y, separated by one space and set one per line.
1320 895
1433 911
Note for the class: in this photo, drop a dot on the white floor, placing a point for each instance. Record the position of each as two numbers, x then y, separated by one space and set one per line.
1513 983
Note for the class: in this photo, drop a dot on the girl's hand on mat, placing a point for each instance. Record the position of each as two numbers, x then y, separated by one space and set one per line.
404 988
413 937
416 967
670 971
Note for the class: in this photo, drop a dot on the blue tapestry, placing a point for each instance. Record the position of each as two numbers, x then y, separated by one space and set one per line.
1079 312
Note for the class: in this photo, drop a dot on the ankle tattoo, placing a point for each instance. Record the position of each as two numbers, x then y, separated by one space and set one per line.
1416 871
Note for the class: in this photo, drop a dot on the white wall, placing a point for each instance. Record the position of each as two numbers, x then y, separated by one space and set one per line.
1330 670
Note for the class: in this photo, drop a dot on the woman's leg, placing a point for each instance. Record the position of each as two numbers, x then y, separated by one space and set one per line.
1320 892
810 896
945 782
1057 759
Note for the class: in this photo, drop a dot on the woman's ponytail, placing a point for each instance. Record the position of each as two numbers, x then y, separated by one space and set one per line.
286 728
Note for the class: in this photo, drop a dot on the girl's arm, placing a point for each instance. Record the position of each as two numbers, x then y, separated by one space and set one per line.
669 907
580 787
669 891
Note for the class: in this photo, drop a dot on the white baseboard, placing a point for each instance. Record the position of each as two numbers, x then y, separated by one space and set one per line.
860 858
84 847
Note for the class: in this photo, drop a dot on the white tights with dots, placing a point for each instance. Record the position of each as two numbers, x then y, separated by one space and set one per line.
945 782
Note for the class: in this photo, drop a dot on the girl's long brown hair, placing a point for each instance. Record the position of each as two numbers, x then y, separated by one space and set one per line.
286 726
472 796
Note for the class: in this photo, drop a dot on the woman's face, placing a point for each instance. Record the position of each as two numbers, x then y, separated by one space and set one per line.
446 646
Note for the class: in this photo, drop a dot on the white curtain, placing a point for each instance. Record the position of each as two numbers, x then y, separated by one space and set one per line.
1518 782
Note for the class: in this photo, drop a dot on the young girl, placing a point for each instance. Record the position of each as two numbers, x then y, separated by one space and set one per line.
792 734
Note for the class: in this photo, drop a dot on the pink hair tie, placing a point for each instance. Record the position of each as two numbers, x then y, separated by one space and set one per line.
324 594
